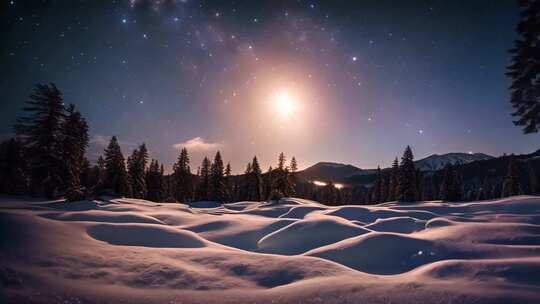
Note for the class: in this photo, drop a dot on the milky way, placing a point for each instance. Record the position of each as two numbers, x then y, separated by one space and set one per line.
371 76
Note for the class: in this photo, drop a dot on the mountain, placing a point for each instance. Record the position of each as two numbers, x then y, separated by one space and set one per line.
437 162
325 171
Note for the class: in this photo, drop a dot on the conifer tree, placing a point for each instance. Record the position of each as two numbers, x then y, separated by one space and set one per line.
293 167
511 185
74 134
182 179
393 181
283 185
218 191
525 68
406 187
86 178
534 185
268 182
228 182
377 196
204 180
40 132
137 171
115 178
13 167
154 182
281 161
255 181
451 184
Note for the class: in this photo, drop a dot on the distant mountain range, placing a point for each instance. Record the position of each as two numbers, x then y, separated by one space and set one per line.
437 162
337 172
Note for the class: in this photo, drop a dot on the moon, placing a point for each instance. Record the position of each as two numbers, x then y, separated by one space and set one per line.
285 104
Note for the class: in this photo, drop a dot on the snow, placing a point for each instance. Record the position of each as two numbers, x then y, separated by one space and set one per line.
438 162
286 251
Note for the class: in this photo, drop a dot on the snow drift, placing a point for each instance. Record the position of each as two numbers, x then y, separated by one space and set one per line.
293 250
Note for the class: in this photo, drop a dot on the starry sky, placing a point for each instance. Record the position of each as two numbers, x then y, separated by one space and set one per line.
367 77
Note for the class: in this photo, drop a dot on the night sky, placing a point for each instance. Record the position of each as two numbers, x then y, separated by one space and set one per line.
366 77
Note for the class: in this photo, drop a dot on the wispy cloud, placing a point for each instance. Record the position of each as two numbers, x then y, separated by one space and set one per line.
198 144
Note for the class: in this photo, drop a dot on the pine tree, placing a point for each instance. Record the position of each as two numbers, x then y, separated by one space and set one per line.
182 179
40 132
268 182
377 187
228 183
406 187
525 68
255 181
282 185
293 167
218 191
281 161
204 180
511 185
115 178
13 167
451 184
393 181
136 166
74 134
155 182
534 185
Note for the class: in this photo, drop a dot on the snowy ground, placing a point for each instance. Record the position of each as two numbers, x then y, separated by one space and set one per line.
292 251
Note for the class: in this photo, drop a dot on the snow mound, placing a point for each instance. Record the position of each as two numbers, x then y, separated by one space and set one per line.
300 212
397 224
513 271
145 235
286 251
379 253
307 234
104 216
371 214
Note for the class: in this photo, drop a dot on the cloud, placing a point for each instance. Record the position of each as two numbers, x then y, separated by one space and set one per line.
100 140
197 144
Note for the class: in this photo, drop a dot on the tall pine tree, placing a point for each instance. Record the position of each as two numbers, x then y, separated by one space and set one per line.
182 178
13 167
154 182
525 68
406 187
203 189
75 140
218 191
511 185
41 134
255 181
137 171
115 178
393 181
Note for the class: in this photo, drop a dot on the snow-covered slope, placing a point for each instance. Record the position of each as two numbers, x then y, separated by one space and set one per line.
438 162
291 251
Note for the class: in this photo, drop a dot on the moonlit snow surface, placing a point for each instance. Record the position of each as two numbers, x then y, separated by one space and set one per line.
291 251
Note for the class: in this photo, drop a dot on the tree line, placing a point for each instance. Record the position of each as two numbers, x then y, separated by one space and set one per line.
403 182
47 158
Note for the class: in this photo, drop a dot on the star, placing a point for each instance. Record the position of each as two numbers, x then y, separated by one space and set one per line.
124 20
354 58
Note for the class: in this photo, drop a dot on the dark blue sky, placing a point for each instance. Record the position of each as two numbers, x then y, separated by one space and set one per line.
367 77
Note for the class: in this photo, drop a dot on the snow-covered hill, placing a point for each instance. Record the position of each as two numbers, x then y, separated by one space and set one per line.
438 162
291 251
